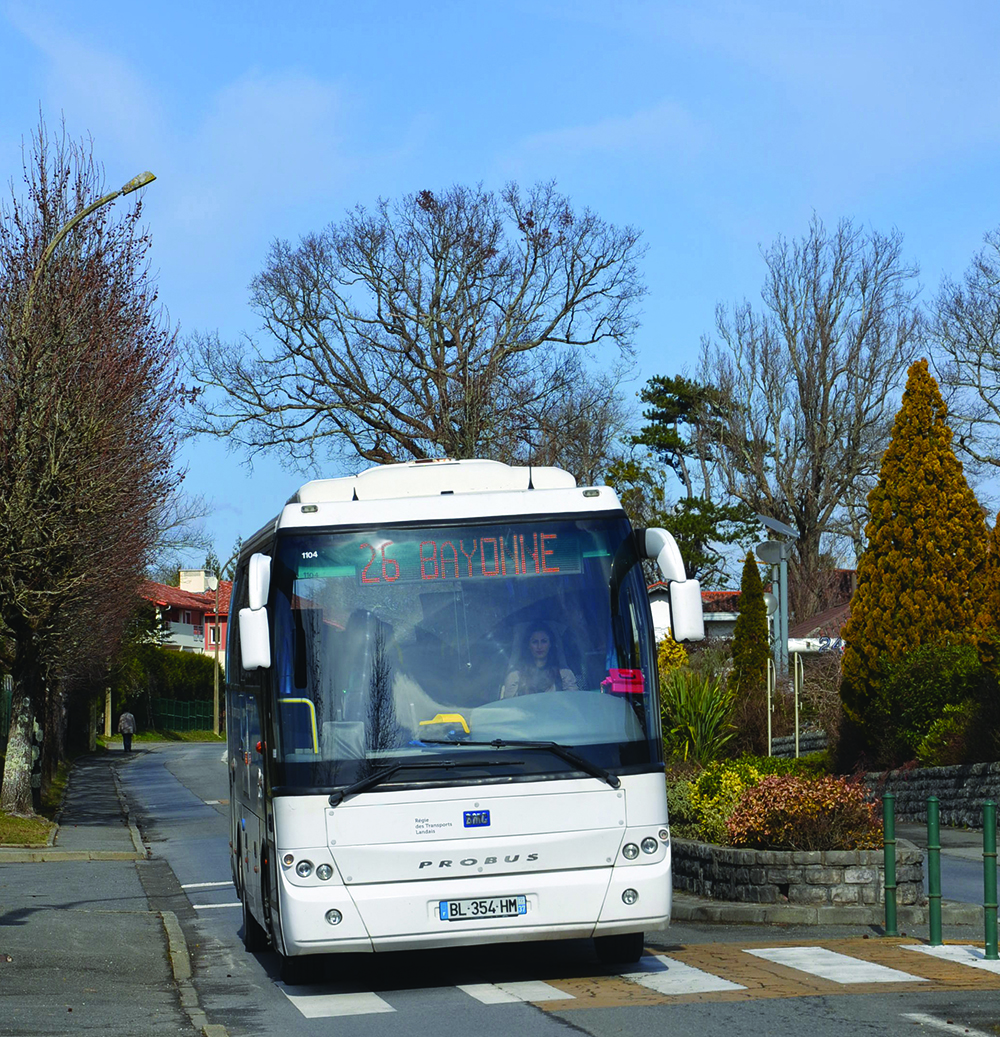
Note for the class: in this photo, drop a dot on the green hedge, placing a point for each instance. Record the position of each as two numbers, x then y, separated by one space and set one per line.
164 674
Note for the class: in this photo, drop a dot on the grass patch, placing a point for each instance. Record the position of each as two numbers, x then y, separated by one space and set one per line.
24 831
115 742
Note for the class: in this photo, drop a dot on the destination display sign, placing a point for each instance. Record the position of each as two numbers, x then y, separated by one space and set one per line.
405 556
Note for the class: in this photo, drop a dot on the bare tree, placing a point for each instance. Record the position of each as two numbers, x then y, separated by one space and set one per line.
86 397
811 383
964 333
441 324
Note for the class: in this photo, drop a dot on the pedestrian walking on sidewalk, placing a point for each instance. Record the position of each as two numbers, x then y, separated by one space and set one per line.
126 725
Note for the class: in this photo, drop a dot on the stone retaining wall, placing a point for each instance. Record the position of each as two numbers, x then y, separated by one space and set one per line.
814 877
960 790
809 742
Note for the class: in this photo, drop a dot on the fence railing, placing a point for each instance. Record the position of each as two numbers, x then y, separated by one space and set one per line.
174 715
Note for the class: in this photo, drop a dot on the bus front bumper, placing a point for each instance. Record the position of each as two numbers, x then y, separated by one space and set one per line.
407 915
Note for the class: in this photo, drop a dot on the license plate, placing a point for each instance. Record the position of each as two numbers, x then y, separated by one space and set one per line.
489 907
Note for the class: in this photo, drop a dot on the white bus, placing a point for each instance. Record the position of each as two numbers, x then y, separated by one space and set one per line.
443 716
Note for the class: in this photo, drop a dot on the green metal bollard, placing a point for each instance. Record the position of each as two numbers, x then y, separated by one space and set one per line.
889 826
990 877
934 870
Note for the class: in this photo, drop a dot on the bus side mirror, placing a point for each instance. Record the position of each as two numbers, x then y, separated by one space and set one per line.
687 620
255 640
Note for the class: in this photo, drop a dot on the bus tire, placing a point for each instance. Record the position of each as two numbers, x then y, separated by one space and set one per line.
254 935
621 949
300 970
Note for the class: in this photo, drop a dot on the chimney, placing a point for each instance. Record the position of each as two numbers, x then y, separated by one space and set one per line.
194 580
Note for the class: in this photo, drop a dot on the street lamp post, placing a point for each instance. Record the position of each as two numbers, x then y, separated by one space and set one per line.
127 188
215 694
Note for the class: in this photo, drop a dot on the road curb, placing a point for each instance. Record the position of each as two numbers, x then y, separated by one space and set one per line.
49 855
180 965
134 832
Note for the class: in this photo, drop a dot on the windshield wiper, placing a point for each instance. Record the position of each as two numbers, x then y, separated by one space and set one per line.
378 777
580 762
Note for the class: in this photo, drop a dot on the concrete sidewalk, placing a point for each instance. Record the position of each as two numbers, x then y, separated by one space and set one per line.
81 948
964 843
93 823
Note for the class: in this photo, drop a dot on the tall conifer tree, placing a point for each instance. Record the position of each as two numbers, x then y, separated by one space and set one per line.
923 577
751 648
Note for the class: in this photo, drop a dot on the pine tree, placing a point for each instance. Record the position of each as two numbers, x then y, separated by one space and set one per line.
922 578
751 651
751 648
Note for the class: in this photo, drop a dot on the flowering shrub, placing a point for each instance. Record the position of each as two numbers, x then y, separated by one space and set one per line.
698 807
700 804
784 812
670 655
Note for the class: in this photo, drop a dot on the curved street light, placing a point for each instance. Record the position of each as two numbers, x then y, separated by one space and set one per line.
127 188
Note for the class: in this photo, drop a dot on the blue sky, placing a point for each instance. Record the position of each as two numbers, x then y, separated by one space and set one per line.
712 126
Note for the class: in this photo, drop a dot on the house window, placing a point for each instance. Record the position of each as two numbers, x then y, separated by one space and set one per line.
186 617
214 636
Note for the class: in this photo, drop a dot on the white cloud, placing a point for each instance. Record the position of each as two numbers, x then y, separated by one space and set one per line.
666 127
265 141
93 89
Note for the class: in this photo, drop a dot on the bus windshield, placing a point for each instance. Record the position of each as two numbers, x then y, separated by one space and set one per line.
398 645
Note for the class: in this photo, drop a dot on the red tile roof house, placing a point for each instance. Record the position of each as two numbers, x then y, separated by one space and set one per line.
187 614
819 633
720 608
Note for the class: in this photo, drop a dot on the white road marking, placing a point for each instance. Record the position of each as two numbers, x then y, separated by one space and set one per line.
325 1006
225 756
961 954
205 885
213 802
668 976
212 907
838 968
942 1024
509 993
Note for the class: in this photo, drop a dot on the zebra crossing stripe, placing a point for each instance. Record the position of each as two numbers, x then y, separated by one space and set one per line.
326 1006
665 975
510 993
960 954
829 965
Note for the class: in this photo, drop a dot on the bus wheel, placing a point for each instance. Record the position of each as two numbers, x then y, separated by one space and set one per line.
623 949
299 970
254 936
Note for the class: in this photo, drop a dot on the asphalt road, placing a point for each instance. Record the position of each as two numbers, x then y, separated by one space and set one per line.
695 979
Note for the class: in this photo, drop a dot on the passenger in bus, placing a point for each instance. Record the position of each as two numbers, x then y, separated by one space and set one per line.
538 665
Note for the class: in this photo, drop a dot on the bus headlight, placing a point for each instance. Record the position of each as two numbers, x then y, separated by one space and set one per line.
630 851
649 845
303 869
334 917
630 896
324 872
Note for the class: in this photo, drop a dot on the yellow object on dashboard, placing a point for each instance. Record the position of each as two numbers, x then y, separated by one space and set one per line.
447 718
